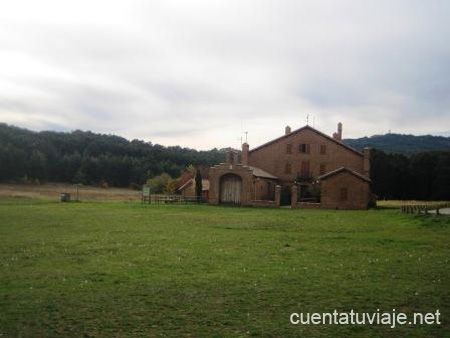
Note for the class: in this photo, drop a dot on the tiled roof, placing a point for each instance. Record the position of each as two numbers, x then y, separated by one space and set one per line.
258 172
343 169
312 129
205 184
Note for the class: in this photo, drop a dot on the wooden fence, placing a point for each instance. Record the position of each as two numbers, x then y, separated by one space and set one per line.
424 208
164 199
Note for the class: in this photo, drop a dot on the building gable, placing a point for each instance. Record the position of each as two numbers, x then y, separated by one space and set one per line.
342 170
304 154
300 130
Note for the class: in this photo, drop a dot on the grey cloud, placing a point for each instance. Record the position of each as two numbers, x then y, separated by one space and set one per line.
195 72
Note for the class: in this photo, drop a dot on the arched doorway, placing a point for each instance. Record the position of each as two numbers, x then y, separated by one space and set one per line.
230 189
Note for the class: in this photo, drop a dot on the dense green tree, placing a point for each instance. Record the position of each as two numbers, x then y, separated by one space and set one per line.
423 176
441 182
159 184
198 185
89 158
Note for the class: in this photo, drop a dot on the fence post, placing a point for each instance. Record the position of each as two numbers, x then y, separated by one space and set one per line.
278 195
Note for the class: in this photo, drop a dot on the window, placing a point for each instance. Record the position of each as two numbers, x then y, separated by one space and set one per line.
288 168
304 148
304 170
323 169
323 149
344 194
289 149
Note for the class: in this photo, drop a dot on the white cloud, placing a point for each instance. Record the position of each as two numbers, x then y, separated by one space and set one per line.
198 73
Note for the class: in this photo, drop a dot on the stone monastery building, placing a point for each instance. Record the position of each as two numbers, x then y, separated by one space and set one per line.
303 168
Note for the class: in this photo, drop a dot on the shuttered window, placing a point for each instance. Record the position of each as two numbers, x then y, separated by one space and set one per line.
289 149
304 170
323 169
304 148
288 168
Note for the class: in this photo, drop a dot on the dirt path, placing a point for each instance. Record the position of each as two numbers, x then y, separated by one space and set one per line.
444 211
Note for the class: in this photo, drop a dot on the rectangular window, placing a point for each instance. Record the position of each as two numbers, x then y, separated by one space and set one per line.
344 194
323 169
289 149
304 170
304 148
323 149
288 168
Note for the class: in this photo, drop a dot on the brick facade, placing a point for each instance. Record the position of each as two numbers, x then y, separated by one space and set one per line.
219 171
301 158
322 152
345 190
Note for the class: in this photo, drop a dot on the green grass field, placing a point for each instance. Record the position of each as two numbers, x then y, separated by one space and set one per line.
116 269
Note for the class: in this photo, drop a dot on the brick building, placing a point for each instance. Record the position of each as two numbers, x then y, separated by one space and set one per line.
300 168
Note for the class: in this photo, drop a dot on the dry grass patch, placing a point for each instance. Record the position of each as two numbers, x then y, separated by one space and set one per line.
52 191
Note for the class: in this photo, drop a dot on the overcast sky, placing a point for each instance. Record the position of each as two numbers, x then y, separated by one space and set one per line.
200 73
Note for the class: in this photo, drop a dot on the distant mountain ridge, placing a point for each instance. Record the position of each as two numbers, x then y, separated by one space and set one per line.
401 144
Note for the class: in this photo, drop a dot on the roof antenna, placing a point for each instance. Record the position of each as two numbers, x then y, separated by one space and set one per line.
246 135
307 119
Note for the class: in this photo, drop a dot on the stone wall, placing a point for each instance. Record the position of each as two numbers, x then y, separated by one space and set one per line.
264 204
308 205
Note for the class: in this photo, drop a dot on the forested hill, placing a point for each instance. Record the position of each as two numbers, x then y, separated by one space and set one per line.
90 158
96 159
401 144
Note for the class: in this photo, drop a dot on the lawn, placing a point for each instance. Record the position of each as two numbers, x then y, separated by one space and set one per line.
113 269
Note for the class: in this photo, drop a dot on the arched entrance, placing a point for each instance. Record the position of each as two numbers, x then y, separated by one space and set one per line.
230 189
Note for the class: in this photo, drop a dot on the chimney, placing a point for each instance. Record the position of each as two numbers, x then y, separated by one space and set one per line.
287 130
366 164
245 149
338 136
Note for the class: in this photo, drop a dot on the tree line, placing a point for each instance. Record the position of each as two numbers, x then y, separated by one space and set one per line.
423 176
97 159
90 158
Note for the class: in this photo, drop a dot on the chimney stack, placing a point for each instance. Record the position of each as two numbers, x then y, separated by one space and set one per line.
366 164
338 136
245 150
287 130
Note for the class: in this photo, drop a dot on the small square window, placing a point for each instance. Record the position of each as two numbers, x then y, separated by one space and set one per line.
289 149
323 149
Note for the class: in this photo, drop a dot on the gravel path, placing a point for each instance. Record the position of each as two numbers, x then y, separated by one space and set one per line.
445 211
